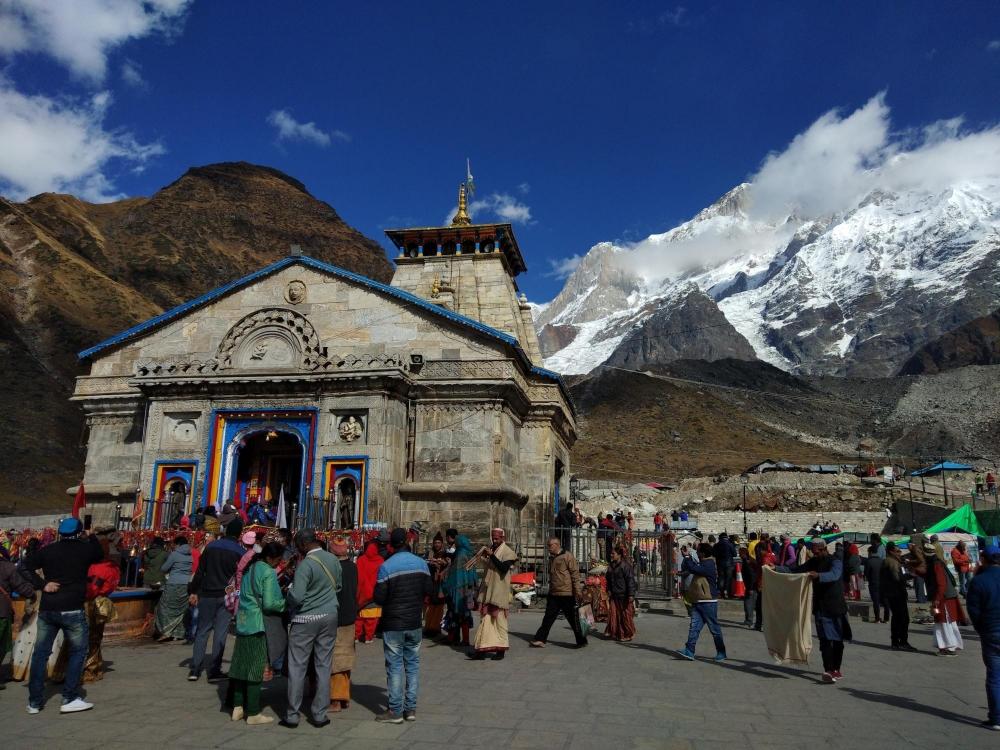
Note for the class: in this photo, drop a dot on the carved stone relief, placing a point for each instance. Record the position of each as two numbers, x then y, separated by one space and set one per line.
295 292
351 428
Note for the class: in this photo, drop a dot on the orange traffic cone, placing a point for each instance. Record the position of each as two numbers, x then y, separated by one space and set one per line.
739 590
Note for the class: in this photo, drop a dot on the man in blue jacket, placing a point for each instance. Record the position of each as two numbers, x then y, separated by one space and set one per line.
402 583
983 602
704 596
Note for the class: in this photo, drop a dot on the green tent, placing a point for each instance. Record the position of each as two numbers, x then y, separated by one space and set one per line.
963 519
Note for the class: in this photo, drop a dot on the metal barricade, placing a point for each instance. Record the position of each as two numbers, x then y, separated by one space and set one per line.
591 547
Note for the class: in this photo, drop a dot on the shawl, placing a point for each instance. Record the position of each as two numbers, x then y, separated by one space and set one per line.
496 588
368 565
786 611
460 583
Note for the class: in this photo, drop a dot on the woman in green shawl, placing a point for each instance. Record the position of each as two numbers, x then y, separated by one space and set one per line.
260 594
460 587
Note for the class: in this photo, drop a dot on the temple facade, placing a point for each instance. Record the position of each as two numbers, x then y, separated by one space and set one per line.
360 403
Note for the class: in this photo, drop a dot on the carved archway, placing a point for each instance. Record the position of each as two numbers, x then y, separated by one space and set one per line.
271 338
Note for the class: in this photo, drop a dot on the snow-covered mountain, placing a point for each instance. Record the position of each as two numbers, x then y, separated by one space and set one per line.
854 293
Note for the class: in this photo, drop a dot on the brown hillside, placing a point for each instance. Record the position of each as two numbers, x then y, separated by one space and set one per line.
73 273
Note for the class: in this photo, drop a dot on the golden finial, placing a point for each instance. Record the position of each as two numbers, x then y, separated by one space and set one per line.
462 215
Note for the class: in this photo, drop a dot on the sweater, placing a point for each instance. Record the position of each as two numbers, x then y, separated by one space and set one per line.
983 603
318 579
621 581
178 565
400 587
259 595
152 567
216 567
13 583
66 562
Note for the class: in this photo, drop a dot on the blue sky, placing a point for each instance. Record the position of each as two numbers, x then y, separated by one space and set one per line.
584 121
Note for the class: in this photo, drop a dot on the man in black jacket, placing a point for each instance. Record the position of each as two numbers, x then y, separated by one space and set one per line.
64 565
207 591
829 606
402 583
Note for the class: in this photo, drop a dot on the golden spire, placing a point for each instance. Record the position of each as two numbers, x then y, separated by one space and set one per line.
462 215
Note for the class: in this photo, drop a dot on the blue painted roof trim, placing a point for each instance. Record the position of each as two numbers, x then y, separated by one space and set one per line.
204 299
420 302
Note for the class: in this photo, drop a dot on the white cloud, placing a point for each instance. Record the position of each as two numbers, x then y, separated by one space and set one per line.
673 17
561 268
291 129
994 45
826 170
524 188
62 146
82 33
496 206
132 74
502 206
825 167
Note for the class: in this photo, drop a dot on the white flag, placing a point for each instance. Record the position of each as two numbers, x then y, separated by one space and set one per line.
282 516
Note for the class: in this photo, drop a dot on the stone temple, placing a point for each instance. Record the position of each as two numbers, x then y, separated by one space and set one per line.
362 403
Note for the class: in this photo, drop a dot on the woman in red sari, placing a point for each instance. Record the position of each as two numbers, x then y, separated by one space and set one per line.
621 595
369 612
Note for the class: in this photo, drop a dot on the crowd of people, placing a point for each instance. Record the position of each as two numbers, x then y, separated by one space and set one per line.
299 604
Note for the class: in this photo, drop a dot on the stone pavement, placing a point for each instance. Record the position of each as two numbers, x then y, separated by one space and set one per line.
606 696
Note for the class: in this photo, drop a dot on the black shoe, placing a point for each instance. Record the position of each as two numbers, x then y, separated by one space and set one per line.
583 643
193 676
389 717
216 676
288 724
499 655
320 724
907 647
410 715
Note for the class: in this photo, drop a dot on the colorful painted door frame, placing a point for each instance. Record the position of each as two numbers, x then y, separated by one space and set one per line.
164 473
356 467
231 426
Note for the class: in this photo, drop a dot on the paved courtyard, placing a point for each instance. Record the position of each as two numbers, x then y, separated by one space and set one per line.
606 696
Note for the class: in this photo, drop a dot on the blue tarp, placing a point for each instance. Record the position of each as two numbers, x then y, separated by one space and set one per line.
938 468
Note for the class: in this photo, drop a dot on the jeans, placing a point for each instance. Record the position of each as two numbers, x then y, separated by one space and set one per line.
963 581
990 648
553 606
402 665
213 617
920 590
702 614
315 638
749 607
74 627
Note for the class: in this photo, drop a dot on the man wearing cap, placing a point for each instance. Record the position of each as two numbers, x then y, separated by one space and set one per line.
207 591
64 565
401 585
983 602
829 606
314 607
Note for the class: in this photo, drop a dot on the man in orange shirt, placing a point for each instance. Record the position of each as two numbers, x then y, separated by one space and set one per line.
960 559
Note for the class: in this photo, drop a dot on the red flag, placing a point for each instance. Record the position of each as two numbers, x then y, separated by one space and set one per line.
80 501
138 510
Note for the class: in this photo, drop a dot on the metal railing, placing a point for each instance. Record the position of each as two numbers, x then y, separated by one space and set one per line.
591 548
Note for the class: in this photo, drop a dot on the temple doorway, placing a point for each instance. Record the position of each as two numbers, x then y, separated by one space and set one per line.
266 462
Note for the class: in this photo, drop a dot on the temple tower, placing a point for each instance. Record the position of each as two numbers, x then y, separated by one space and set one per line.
470 269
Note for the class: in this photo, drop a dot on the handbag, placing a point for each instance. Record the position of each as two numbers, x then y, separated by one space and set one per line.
231 599
587 620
